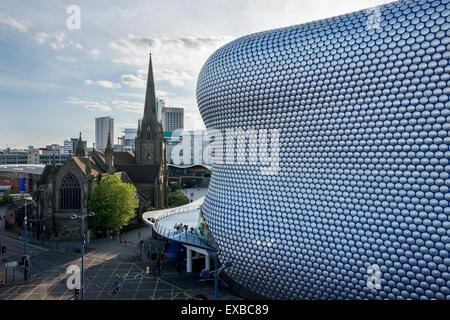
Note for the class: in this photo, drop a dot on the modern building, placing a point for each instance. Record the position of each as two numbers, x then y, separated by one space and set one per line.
14 157
70 146
33 156
104 126
160 105
47 158
127 141
357 203
173 119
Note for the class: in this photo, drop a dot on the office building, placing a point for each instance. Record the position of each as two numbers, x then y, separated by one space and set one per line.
70 146
127 141
103 127
160 105
173 119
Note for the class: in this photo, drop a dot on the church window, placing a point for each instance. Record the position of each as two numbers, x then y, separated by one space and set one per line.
70 192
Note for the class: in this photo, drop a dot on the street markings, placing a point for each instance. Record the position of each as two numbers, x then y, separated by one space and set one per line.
99 276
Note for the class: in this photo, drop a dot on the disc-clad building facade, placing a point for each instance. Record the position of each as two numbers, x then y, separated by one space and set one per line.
359 208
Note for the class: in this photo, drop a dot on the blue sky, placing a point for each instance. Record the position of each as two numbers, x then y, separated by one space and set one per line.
55 81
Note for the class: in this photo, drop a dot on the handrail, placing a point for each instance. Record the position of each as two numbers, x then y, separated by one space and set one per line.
150 217
176 235
178 210
180 236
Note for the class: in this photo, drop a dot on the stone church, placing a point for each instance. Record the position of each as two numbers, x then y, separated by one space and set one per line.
64 190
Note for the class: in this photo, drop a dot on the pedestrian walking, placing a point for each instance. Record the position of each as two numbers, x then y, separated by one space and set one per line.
115 287
139 234
158 266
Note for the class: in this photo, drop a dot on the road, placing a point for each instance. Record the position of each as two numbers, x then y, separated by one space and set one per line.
49 278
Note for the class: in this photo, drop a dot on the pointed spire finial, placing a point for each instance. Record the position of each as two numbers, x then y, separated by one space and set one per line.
109 148
80 149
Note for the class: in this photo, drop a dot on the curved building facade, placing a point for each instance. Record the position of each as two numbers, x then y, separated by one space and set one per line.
359 206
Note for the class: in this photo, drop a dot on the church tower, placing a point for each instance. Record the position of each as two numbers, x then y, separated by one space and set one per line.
150 138
150 147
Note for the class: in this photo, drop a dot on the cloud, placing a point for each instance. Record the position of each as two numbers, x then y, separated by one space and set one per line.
176 61
94 53
41 37
133 81
13 23
90 105
66 59
103 83
129 106
57 41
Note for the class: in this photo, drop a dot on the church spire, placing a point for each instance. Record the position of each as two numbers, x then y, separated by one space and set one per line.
149 139
80 150
109 149
150 113
109 156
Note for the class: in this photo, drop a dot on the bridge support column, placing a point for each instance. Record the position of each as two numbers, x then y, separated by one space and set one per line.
189 260
207 262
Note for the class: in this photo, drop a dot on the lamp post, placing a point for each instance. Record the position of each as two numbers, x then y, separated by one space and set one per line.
83 240
25 238
206 274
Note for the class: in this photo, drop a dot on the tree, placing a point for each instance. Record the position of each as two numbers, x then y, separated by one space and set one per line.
6 197
114 204
174 186
177 198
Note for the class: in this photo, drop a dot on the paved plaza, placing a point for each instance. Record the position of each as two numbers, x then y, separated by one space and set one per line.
105 263
99 279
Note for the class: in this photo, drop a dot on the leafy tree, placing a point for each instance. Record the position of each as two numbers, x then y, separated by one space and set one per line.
6 197
174 186
177 198
114 204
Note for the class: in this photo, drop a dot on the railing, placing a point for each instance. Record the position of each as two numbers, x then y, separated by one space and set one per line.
178 210
195 239
180 236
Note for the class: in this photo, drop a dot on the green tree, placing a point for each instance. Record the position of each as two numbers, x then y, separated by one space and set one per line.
6 197
174 186
114 204
177 198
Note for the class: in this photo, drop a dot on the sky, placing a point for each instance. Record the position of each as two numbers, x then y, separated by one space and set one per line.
57 76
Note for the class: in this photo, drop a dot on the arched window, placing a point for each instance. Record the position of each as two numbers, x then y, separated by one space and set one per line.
70 193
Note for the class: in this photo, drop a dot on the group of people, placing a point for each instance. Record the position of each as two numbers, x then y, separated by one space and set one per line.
122 240
183 228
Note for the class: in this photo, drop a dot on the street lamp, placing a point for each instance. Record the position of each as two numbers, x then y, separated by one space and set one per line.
83 240
205 273
25 238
